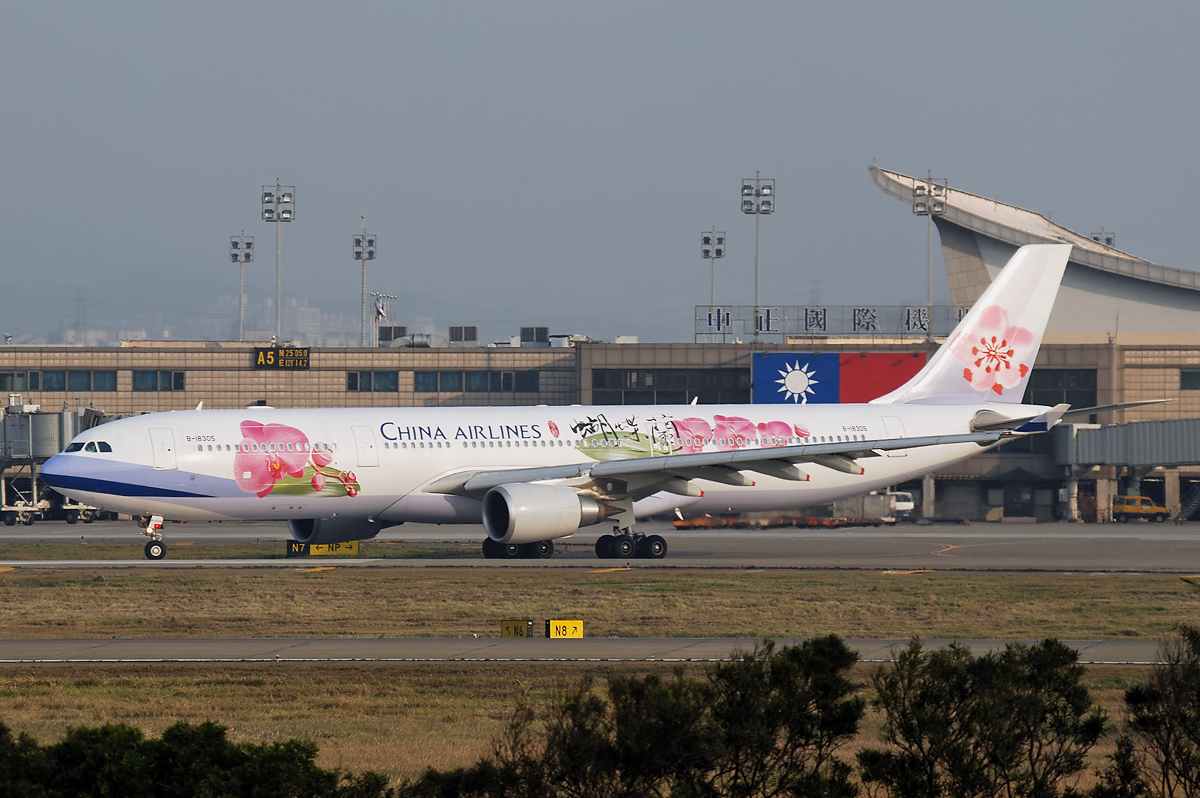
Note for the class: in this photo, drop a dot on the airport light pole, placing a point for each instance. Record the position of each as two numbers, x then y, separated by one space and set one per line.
712 246
278 206
364 250
241 252
758 198
929 200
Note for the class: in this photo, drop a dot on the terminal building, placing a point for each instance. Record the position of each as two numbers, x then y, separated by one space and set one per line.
1122 330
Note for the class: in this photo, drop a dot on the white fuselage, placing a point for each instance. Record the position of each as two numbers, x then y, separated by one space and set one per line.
375 462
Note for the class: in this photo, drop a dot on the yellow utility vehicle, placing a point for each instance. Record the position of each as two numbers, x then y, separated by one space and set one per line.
1126 507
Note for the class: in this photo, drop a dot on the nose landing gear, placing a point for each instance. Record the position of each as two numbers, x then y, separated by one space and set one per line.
155 549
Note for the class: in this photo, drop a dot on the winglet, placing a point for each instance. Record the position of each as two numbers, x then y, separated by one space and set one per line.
990 353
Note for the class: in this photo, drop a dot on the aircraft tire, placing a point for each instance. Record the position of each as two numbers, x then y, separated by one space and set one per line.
29 520
604 548
72 518
540 550
156 550
489 549
654 547
623 547
10 519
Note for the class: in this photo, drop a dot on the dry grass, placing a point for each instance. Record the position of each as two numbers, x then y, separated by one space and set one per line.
397 719
635 603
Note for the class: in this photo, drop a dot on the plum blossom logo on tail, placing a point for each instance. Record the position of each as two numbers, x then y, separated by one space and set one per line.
994 352
278 459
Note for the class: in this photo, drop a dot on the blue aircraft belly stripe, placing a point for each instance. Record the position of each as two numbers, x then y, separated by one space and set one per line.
92 485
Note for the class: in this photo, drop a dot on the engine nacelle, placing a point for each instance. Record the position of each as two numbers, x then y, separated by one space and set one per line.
319 531
527 513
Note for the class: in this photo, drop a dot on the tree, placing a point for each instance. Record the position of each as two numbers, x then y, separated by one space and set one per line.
1017 723
767 723
187 761
1160 751
781 716
23 766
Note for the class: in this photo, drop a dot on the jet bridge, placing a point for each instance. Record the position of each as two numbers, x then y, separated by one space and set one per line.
29 437
1139 446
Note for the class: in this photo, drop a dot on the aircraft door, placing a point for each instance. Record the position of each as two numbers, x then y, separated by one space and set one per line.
364 439
895 429
162 443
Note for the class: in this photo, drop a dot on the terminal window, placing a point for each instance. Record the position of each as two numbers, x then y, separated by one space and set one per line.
1189 379
159 381
367 381
476 381
1076 387
13 381
670 386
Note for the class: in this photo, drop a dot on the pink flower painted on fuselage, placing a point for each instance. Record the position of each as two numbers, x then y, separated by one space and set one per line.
775 433
691 434
280 453
732 432
994 352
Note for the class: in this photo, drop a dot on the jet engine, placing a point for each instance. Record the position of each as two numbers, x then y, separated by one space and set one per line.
319 531
527 513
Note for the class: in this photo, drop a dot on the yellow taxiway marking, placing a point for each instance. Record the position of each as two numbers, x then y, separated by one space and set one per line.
610 570
906 573
317 570
949 547
4 570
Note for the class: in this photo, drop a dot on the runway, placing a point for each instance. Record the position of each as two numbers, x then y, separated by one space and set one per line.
1062 548
1133 547
480 650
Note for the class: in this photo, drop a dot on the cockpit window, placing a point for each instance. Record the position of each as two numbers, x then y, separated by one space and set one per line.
91 447
104 447
74 447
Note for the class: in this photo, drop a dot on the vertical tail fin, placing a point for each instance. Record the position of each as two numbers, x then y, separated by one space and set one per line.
988 356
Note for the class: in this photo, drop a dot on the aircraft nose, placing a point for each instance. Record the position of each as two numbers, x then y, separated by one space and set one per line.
57 471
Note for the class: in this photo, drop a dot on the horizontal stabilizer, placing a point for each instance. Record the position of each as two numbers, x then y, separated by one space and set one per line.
1083 412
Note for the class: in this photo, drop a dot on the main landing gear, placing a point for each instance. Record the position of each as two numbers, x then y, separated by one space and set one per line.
152 528
541 550
627 544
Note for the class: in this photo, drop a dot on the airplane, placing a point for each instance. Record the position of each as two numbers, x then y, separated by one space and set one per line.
534 475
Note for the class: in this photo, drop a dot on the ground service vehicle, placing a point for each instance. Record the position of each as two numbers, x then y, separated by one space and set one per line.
1127 507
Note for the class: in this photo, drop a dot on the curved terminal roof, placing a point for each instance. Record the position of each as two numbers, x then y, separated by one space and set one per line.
1018 227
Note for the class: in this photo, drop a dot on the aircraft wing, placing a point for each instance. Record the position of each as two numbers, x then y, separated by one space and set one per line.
779 461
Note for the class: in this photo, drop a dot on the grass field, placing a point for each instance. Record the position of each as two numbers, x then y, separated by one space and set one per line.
397 719
402 718
641 602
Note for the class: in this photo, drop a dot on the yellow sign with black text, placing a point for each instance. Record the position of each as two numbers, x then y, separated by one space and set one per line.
523 629
296 549
293 359
564 629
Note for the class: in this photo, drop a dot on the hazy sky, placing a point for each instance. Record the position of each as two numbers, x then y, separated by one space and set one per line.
554 163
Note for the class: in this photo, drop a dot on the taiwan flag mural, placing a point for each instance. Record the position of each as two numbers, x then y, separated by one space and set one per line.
830 378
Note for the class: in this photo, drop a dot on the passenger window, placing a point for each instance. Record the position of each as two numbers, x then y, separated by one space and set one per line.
91 447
